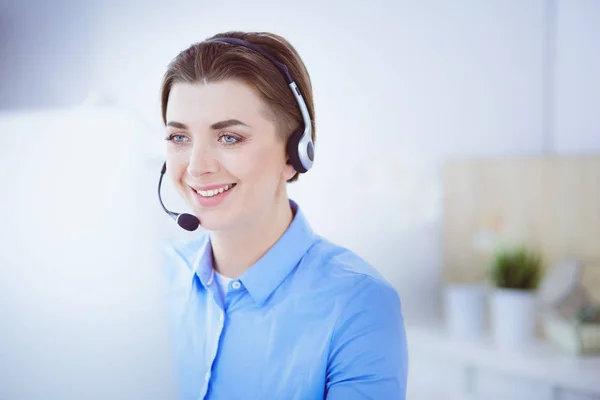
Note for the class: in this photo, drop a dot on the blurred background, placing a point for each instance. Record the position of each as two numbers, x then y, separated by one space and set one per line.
458 151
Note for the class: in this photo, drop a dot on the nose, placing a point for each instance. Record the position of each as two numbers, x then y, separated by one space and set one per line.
202 161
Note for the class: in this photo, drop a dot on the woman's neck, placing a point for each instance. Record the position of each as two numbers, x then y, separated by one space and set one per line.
234 252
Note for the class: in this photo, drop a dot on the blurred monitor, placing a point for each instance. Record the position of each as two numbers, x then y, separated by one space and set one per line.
82 314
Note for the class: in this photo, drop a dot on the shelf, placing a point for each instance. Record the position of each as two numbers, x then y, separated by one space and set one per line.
540 361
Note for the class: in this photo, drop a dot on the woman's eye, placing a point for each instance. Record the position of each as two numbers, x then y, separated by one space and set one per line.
176 138
228 139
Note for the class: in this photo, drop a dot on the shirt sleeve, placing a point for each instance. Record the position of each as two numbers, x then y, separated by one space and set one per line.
368 357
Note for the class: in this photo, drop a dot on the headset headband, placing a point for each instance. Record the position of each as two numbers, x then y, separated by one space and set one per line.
300 146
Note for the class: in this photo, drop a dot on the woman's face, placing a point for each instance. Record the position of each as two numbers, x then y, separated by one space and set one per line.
224 153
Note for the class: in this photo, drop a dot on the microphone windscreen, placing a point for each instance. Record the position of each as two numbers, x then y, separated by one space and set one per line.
188 222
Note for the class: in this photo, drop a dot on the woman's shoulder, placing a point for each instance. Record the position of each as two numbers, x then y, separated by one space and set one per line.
336 276
336 264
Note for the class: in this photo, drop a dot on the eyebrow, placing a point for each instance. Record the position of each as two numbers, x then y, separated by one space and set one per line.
215 126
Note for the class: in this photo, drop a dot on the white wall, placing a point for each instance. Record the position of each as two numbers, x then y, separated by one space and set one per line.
44 53
577 83
399 87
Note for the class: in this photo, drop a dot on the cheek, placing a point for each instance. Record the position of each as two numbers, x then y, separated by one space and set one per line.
177 163
255 165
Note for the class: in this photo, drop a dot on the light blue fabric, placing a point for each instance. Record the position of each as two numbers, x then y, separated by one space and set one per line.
310 320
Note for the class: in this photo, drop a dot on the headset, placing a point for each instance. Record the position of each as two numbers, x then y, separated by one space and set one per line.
300 147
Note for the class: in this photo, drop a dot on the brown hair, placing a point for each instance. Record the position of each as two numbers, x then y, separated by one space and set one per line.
214 62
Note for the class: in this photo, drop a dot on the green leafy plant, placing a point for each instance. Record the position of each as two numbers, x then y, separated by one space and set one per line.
517 268
589 314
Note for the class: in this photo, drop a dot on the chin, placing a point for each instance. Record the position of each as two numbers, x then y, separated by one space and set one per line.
212 227
215 220
228 215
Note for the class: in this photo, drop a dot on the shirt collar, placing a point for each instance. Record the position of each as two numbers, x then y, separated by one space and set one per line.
267 274
204 262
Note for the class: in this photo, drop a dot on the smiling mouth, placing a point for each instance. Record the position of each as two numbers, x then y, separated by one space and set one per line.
215 192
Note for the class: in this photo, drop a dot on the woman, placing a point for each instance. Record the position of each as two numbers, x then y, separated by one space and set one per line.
263 307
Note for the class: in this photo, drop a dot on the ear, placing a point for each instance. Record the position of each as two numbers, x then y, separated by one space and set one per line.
288 171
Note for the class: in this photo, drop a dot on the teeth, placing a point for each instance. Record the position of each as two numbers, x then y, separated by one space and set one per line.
211 193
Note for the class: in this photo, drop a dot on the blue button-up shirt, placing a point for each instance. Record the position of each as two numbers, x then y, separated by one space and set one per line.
309 320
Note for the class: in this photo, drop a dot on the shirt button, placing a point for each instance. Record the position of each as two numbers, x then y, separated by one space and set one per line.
207 376
221 317
236 285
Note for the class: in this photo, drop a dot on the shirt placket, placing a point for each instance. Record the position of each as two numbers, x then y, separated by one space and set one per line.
217 311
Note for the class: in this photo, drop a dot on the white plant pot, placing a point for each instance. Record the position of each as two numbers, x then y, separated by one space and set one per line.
465 310
513 317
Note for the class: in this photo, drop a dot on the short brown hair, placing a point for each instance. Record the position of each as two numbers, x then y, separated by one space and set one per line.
214 62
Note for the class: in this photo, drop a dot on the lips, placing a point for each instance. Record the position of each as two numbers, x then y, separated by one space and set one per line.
215 191
214 199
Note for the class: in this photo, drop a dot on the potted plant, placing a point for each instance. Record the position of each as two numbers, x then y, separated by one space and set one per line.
515 275
465 306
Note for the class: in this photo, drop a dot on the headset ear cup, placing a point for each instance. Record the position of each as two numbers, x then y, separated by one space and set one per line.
292 151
